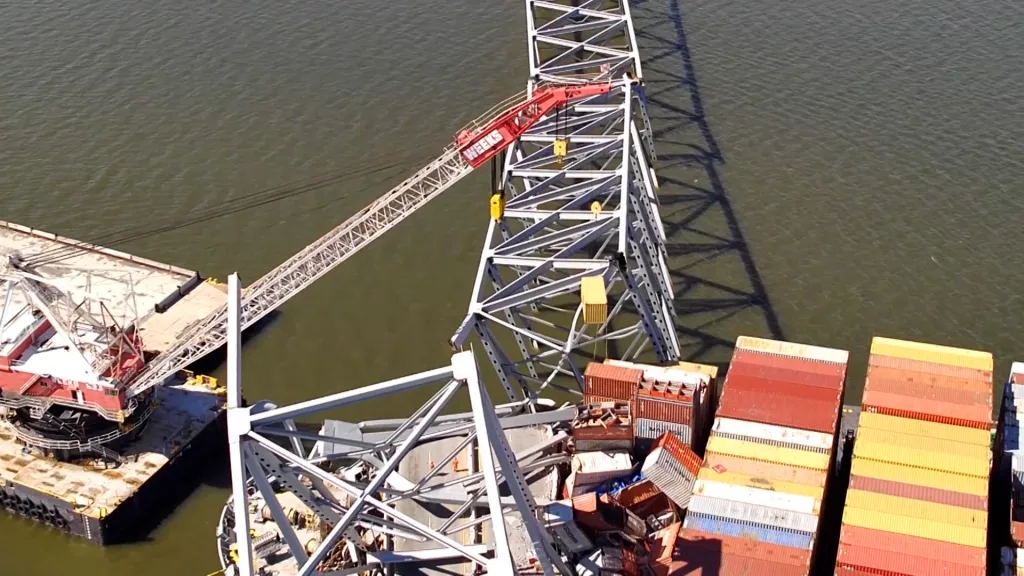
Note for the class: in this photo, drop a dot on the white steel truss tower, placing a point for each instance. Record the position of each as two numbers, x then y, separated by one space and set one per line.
592 211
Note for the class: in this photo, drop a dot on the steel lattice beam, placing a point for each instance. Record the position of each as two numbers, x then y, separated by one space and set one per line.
348 505
524 306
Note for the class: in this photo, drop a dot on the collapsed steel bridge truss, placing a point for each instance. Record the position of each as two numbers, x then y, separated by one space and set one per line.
591 212
346 505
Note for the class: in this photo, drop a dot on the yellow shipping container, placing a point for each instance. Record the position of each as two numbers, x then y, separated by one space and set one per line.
920 351
923 443
919 476
912 456
921 528
924 428
788 456
737 479
917 508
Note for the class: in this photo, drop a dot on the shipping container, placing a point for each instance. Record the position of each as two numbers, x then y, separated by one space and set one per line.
754 513
792 411
653 429
603 426
923 428
923 380
785 369
780 500
649 408
771 471
921 458
941 410
761 482
901 563
979 423
707 562
813 440
592 468
602 514
616 382
672 467
689 539
808 352
893 522
928 368
644 499
919 476
749 530
917 508
607 561
558 519
915 546
927 444
768 453
949 356
925 493
967 397
735 382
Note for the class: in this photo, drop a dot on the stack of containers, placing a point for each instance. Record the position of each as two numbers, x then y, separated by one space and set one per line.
672 399
918 496
769 457
1013 463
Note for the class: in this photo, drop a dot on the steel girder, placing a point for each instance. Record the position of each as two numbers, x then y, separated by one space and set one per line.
347 504
592 213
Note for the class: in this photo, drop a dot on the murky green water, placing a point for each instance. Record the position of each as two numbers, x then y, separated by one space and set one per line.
829 171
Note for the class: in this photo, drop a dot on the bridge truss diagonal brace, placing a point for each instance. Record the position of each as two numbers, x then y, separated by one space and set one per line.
592 213
350 506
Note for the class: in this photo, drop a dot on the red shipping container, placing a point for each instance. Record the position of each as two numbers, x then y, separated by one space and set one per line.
890 385
662 410
977 414
1017 532
768 408
690 538
901 562
789 362
916 492
923 547
814 393
923 378
980 425
928 368
614 382
786 374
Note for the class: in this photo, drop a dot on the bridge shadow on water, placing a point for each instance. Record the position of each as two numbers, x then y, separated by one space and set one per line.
719 291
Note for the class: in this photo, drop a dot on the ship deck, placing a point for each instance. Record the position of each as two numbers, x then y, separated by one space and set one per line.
126 284
182 413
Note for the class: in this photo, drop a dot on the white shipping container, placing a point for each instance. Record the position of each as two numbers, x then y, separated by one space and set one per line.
592 468
774 433
772 499
805 351
669 475
755 513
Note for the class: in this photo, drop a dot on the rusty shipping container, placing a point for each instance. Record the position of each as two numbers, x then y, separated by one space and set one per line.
616 382
673 467
603 426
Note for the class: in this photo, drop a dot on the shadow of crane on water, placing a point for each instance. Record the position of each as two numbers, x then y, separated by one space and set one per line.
719 292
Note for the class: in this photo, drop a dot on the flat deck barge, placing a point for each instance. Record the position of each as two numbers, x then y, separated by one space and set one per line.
102 502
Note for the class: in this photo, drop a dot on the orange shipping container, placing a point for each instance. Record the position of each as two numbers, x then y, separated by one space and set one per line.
925 406
690 538
965 396
768 470
886 562
977 385
929 368
912 545
611 381
830 372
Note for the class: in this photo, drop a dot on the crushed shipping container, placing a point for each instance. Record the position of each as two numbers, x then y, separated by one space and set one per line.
672 467
917 502
759 493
